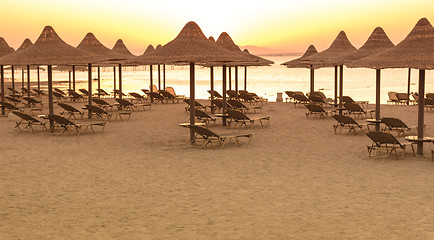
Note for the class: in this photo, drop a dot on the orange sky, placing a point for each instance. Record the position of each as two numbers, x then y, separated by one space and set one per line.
286 25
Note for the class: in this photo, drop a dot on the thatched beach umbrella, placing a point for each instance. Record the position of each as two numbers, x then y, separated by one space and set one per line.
298 63
4 48
189 47
149 51
333 56
415 51
49 49
376 43
91 44
26 43
122 51
211 38
226 42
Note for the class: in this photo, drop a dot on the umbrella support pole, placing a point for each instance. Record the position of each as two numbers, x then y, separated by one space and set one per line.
420 110
192 101
377 99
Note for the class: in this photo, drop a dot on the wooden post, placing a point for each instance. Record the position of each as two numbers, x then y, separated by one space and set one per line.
159 78
336 85
377 99
151 83
13 79
2 86
89 87
224 96
192 100
212 88
69 80
22 78
164 76
99 80
120 81
28 80
420 111
236 82
341 86
73 77
408 86
50 93
230 78
245 78
114 81
312 81
39 79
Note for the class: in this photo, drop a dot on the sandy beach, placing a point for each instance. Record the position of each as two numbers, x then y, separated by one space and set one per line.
140 179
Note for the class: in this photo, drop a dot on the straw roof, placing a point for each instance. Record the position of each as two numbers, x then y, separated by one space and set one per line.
91 44
27 43
4 48
190 45
158 47
49 49
377 42
149 50
122 50
332 56
415 51
299 62
226 42
211 39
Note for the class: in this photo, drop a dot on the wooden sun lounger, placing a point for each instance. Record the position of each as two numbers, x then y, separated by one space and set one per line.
386 142
209 137
236 117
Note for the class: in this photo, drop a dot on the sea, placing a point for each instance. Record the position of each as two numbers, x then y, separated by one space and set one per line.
266 81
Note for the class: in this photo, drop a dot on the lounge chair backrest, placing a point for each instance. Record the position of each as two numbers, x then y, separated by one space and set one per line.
290 93
316 99
154 88
100 102
67 107
95 109
430 95
25 116
216 94
344 119
196 103
201 114
58 95
402 96
394 122
60 120
236 104
382 138
75 95
136 95
31 100
346 99
429 101
124 102
353 107
171 90
8 106
203 131
247 97
235 114
314 108
232 93
392 96
102 91
300 97
166 94
57 90
84 91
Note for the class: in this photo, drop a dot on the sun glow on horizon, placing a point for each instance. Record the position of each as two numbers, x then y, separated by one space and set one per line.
290 26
